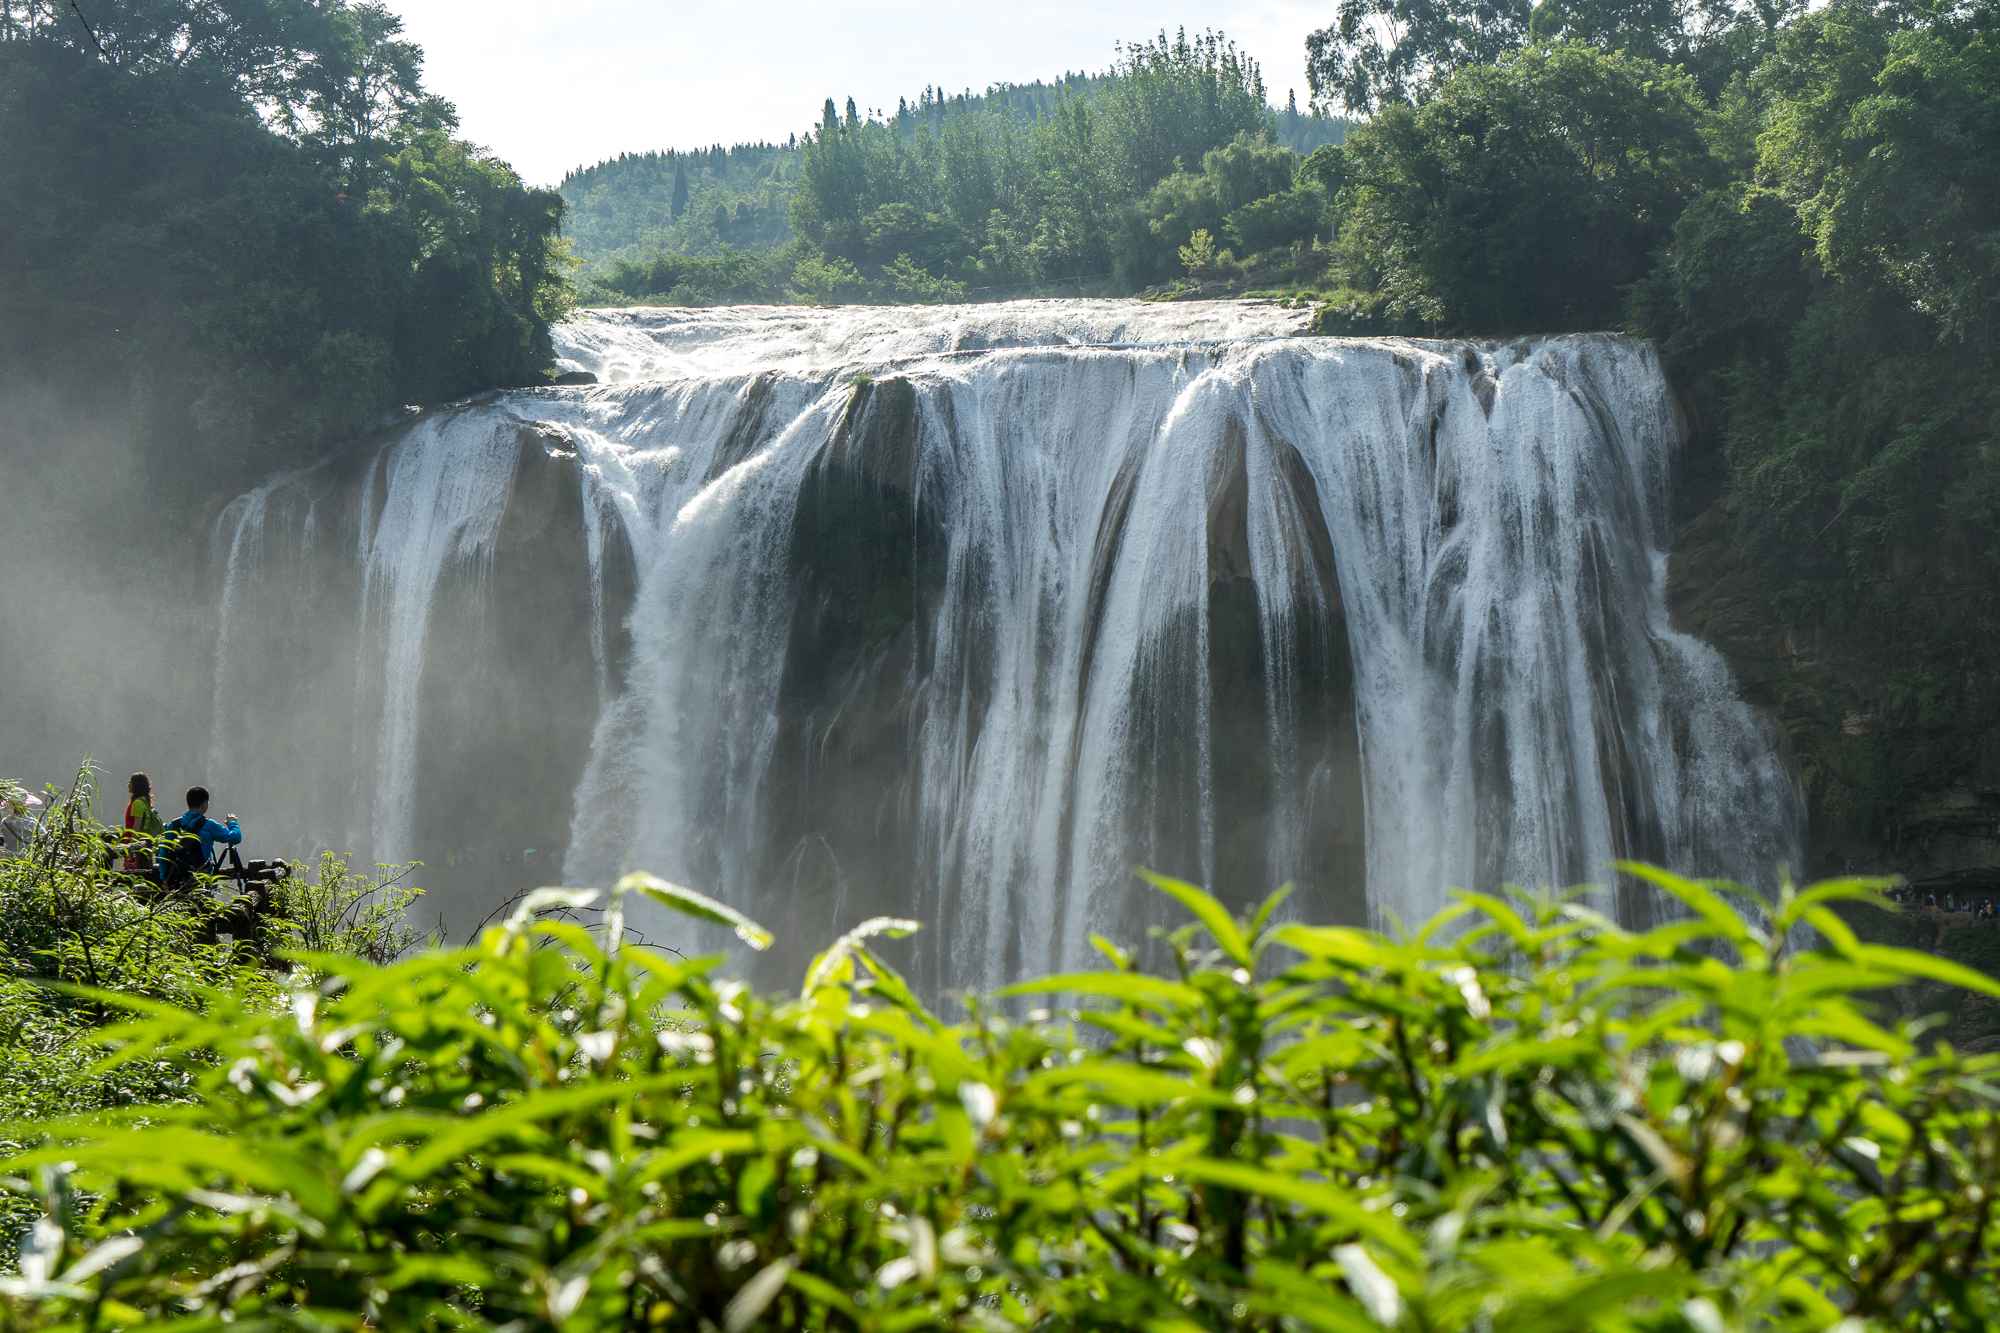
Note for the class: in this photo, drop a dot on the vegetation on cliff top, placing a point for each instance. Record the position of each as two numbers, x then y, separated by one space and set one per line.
978 165
1087 186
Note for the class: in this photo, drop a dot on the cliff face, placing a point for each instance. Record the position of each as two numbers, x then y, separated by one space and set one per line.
1894 717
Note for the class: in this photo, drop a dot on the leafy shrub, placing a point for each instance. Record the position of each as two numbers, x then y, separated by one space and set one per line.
1524 1117
338 911
1278 219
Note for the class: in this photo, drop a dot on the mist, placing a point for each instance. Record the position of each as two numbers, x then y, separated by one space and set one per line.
103 650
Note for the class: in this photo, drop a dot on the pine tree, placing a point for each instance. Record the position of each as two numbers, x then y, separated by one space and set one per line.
680 200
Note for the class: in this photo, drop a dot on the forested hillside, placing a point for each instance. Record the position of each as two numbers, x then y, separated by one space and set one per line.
985 177
682 203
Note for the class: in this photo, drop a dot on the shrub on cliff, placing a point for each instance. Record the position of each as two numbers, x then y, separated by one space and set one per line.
1523 1118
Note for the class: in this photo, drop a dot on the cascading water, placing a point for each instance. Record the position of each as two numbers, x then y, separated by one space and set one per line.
962 611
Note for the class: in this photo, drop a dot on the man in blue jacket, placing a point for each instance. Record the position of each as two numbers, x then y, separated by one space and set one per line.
197 822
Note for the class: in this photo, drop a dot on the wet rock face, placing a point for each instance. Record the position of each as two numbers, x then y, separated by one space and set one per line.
868 563
868 576
510 690
1254 737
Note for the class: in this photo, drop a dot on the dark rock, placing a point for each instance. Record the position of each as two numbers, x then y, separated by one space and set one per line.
574 377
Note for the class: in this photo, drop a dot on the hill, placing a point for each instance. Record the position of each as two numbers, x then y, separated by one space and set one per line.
638 207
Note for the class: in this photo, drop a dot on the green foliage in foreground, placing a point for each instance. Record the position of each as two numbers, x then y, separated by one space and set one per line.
1524 1118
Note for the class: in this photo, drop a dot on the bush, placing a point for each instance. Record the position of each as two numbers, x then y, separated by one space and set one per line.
1278 219
1524 1117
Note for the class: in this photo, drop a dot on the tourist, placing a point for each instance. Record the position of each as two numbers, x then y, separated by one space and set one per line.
142 824
197 822
17 826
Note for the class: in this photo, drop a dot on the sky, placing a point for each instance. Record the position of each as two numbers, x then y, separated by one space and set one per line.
554 86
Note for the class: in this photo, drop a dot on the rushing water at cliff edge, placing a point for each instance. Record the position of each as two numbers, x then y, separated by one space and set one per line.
960 612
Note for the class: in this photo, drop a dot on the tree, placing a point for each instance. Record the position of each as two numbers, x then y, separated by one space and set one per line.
255 202
1380 52
679 203
1199 253
1171 100
1384 52
1886 135
1522 196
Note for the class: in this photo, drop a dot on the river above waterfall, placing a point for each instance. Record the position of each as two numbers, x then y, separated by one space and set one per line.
961 612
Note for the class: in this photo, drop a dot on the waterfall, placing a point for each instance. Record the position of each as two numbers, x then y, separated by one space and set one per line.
961 612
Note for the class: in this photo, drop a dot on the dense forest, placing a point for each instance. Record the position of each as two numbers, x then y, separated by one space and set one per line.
702 201
255 217
1025 188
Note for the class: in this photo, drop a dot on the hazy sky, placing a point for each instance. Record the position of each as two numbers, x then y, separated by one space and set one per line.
551 86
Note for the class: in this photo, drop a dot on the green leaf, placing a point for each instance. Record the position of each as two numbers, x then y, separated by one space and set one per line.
700 906
1910 963
819 1289
755 1296
1212 914
889 984
1795 906
1270 905
1128 987
1131 1087
542 899
1344 944
1325 1200
1708 905
1280 1289
835 965
1501 913
1599 1292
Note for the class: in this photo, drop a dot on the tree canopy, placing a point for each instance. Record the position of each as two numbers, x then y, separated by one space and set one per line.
255 209
1525 194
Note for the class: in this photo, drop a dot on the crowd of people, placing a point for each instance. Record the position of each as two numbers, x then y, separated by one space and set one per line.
1981 909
